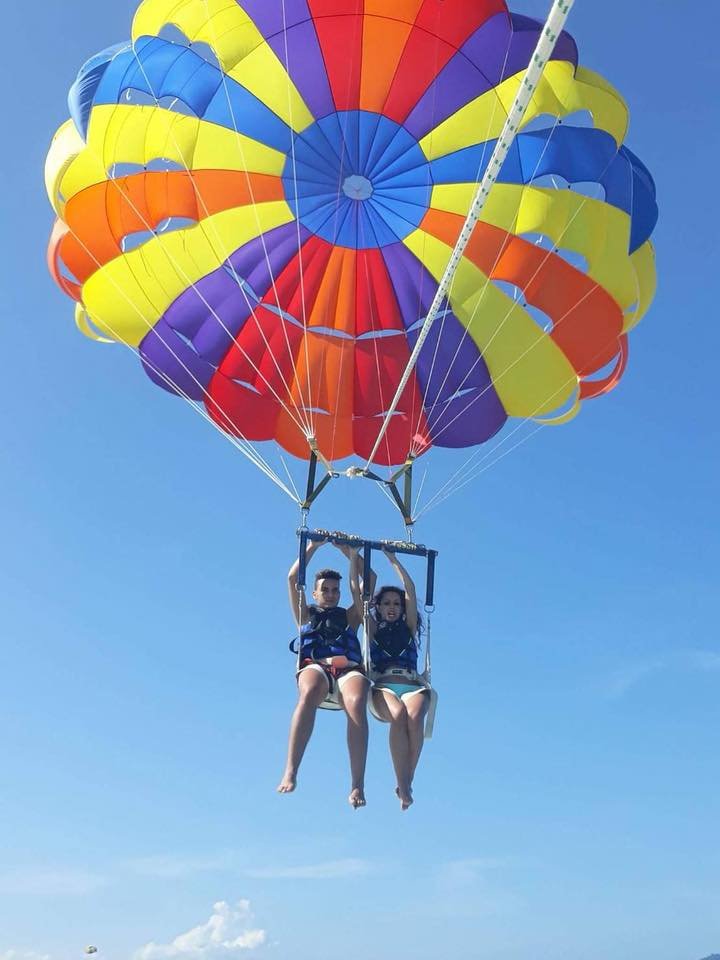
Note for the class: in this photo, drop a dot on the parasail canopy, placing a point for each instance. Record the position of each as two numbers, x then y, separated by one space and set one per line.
261 198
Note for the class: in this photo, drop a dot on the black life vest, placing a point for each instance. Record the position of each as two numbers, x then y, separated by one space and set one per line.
393 645
327 634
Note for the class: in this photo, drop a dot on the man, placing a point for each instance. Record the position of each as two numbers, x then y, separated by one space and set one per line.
330 665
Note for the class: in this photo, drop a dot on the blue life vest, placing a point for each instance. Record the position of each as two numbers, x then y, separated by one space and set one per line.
327 634
393 645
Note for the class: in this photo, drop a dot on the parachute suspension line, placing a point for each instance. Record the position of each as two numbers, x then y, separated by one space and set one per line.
309 429
477 306
376 353
497 105
225 257
438 499
240 442
291 481
536 273
464 467
518 359
546 44
415 448
466 327
173 263
466 473
297 225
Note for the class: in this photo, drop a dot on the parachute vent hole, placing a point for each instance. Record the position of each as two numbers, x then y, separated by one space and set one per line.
132 241
66 272
143 98
278 311
442 314
439 405
330 332
544 121
551 412
555 181
247 386
601 373
590 189
575 259
185 339
518 296
172 224
252 297
120 170
579 118
173 34
165 165
381 334
541 318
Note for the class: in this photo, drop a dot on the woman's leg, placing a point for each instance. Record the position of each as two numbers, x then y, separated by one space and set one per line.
392 709
353 693
417 707
312 690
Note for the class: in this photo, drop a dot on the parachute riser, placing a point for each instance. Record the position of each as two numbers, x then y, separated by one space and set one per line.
402 501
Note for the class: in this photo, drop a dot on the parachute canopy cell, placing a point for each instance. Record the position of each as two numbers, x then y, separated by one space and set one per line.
262 196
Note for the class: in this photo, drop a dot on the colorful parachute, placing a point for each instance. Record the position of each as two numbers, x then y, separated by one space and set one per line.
261 196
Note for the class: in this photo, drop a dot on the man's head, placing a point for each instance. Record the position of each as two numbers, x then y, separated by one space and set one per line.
326 591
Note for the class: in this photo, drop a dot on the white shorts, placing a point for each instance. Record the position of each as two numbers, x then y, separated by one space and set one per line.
335 684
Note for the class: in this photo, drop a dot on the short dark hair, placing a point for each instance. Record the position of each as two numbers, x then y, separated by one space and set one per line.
327 574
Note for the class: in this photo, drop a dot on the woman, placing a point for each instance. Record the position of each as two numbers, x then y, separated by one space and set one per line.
400 696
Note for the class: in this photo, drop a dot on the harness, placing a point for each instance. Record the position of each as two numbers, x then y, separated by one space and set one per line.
393 646
327 635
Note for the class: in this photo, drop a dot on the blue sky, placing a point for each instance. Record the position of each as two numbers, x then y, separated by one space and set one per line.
567 807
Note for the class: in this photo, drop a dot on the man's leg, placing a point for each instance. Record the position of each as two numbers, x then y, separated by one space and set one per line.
353 698
312 690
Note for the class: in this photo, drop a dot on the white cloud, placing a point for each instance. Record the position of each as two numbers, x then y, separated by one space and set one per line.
463 873
226 934
330 870
629 676
169 867
632 674
23 955
706 660
50 883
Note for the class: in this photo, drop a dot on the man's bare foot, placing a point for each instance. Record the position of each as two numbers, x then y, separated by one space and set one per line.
357 798
405 797
288 783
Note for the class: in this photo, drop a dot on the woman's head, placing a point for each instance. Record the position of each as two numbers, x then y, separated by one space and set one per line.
389 604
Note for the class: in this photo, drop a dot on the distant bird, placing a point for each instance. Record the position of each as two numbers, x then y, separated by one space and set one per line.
90 950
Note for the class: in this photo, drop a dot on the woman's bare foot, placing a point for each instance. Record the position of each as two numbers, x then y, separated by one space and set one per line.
288 783
357 798
405 797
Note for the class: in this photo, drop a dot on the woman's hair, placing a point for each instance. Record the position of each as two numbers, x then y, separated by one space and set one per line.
391 588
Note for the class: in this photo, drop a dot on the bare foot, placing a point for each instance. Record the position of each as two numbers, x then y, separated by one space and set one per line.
357 798
288 783
405 797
